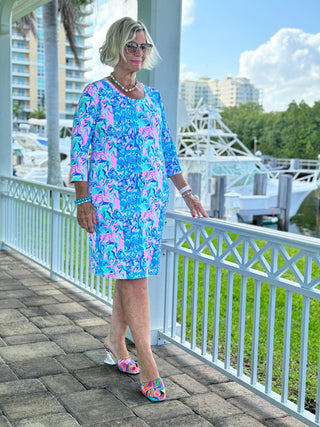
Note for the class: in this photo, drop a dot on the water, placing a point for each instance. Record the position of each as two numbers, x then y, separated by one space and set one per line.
307 220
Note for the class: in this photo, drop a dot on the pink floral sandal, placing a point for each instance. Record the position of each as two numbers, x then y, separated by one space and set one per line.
160 393
128 366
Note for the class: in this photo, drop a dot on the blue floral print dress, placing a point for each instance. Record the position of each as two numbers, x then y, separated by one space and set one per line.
132 155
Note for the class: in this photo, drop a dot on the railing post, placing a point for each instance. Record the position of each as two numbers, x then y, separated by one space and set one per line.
259 189
5 110
294 164
284 201
54 243
218 198
194 180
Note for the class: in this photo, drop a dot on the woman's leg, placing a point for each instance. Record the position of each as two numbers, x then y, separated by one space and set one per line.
116 338
135 303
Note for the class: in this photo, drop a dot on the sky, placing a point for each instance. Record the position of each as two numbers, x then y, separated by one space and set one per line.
274 43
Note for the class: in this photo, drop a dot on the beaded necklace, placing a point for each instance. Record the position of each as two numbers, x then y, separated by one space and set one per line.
122 87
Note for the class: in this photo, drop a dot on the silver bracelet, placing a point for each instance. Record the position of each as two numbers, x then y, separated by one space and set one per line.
184 189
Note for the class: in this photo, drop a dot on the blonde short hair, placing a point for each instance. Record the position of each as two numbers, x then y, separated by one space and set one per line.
119 34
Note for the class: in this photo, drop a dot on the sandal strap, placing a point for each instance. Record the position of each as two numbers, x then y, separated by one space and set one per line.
124 364
156 385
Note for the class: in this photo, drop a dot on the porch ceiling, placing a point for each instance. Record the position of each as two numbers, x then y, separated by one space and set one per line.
19 8
23 7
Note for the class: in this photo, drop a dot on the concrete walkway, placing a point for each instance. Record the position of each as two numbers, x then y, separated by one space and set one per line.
52 371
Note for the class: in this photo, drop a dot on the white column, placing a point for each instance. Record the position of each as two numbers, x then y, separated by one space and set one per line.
163 20
5 103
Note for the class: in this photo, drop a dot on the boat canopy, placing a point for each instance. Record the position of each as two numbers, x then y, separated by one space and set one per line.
63 123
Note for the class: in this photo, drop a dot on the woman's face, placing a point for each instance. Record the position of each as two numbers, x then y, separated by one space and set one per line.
134 60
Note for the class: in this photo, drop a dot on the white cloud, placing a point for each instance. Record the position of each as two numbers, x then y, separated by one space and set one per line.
187 75
287 68
187 12
105 13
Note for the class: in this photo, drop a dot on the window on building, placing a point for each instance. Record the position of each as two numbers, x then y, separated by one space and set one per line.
40 46
78 85
21 80
21 56
21 92
40 71
70 107
69 73
69 85
21 44
40 98
40 82
69 61
21 68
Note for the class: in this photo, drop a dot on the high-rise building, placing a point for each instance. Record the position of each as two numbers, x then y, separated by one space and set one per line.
28 70
228 93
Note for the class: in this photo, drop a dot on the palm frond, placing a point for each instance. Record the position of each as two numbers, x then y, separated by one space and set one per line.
25 24
71 13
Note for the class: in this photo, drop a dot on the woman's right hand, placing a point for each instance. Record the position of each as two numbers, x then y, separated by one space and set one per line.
86 216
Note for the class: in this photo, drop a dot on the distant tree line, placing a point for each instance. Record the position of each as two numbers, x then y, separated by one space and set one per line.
294 133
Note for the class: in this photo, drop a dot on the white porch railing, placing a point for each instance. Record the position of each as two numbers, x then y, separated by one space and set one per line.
242 299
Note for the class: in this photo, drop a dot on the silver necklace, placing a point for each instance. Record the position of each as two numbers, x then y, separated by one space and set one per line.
122 87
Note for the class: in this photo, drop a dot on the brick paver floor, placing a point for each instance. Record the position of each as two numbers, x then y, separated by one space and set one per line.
52 371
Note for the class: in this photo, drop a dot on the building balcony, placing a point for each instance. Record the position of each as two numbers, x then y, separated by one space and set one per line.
20 85
22 61
75 91
77 79
80 46
20 73
73 68
16 97
20 49
16 36
71 56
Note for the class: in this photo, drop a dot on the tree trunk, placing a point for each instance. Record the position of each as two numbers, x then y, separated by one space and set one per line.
51 72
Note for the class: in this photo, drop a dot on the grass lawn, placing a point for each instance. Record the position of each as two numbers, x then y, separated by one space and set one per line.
297 300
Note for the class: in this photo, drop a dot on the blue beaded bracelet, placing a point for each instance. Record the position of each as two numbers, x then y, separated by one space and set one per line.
84 200
187 194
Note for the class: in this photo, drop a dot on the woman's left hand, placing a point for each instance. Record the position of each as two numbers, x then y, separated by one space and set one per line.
195 206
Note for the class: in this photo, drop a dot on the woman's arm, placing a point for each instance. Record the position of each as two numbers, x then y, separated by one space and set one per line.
195 206
86 213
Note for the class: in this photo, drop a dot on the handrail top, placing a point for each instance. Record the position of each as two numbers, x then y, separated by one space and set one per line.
281 237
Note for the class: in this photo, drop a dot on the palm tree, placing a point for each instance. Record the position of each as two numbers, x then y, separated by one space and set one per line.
70 14
38 113
16 111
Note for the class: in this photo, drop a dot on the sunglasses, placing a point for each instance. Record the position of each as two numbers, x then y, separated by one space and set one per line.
132 47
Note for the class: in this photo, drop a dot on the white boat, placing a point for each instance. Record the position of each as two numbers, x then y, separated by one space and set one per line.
208 147
32 145
32 135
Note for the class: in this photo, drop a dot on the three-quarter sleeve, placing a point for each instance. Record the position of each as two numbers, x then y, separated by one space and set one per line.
82 133
172 164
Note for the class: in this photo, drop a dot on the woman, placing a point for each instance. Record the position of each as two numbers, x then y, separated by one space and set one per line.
122 193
